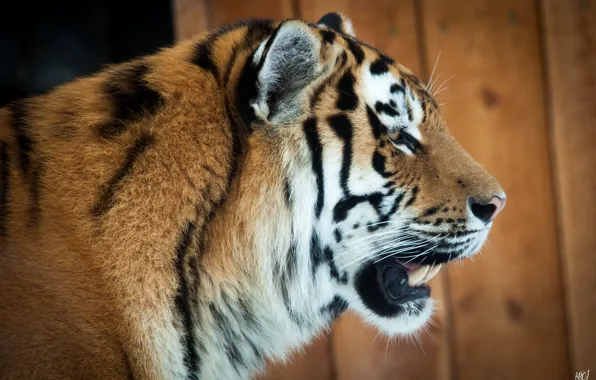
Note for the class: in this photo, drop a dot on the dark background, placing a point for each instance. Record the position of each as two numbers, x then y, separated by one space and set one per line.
43 44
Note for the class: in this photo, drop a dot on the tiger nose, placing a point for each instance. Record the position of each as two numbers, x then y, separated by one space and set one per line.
486 212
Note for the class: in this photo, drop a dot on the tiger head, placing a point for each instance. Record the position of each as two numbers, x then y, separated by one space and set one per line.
371 169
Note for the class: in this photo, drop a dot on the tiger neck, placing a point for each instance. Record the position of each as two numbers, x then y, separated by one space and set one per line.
267 290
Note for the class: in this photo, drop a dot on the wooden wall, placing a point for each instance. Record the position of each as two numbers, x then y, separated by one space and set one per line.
522 100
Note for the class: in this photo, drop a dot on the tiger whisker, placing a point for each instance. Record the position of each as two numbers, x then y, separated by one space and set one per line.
444 83
433 72
378 239
376 252
384 249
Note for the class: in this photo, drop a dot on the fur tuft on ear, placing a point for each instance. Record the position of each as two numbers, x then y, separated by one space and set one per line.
287 63
338 22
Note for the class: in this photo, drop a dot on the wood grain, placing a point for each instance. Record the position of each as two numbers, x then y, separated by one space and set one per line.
190 17
569 29
508 312
312 362
359 352
231 11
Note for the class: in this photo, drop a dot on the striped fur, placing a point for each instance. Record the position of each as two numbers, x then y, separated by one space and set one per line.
191 214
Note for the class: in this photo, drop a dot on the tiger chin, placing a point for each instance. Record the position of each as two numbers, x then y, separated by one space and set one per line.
197 212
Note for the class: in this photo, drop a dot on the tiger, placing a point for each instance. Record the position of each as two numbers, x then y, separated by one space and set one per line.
200 211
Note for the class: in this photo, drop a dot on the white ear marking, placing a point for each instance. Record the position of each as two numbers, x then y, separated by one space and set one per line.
349 27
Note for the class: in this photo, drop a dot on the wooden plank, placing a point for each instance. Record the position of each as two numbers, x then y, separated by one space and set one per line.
231 11
570 37
312 363
190 17
508 312
359 353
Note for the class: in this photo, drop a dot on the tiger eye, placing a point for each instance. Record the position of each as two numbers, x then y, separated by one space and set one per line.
393 135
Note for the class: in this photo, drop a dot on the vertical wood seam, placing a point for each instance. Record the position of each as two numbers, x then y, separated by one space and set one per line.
209 14
331 353
295 4
554 170
448 317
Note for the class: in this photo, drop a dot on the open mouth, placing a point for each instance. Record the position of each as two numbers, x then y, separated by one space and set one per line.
403 282
387 285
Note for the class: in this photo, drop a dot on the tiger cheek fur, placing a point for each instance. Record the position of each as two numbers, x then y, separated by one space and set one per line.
192 213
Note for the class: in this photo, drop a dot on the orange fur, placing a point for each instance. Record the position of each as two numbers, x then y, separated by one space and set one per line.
87 288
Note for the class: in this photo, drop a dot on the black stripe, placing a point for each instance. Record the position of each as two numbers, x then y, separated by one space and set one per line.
230 65
379 67
333 21
343 128
286 279
378 128
108 191
231 339
268 45
31 170
347 99
291 265
129 371
424 105
317 256
34 209
202 56
316 151
431 211
257 31
247 90
342 278
285 294
328 36
356 50
409 110
413 197
20 126
386 108
379 163
131 98
338 235
4 187
287 194
316 96
341 209
335 308
182 301
387 59
396 88
251 326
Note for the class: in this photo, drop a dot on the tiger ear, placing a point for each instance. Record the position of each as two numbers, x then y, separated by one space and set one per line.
288 62
337 22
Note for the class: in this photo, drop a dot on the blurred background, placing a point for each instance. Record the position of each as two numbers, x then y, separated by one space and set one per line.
520 96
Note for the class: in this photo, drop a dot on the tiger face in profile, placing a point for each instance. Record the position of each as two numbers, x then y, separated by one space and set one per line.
190 214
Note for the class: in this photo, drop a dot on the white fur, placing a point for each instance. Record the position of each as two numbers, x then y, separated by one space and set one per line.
376 88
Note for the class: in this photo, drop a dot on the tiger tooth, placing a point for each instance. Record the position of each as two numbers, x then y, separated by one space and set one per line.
432 272
416 276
